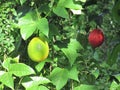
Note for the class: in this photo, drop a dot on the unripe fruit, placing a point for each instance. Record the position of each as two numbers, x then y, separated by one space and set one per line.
96 38
38 50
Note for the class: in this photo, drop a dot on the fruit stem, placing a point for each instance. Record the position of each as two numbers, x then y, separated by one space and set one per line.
93 50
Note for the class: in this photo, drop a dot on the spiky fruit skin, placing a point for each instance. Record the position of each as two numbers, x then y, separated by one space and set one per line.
38 50
96 38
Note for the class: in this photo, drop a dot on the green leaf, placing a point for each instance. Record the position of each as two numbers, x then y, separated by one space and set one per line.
61 11
71 54
71 51
31 22
7 80
74 44
1 73
1 87
114 55
37 88
53 30
96 55
69 4
116 10
83 0
28 24
34 81
28 30
117 76
39 66
43 26
73 73
118 88
113 86
22 1
6 63
44 8
40 80
20 69
86 87
82 39
59 77
76 12
95 73
17 1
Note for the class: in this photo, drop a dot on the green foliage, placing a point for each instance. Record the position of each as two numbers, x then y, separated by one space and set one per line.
112 59
71 51
73 73
22 1
72 63
34 82
33 23
61 11
6 29
38 88
86 87
114 85
7 80
20 69
69 4
115 11
59 77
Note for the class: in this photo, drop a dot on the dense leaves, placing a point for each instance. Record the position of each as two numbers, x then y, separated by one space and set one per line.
34 82
72 63
59 77
23 71
7 80
71 51
86 87
33 23
6 29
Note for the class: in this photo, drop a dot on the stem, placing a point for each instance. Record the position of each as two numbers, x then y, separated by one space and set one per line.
36 9
47 13
52 50
71 84
52 2
17 87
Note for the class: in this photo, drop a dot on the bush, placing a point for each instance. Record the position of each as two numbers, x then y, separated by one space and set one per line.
72 63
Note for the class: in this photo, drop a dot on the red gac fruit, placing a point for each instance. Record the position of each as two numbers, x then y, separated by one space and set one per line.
96 38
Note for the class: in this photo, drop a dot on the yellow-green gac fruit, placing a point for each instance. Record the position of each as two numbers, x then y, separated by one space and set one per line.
38 50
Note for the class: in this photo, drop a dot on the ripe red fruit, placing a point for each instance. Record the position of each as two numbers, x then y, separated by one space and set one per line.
96 38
